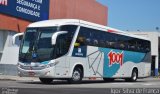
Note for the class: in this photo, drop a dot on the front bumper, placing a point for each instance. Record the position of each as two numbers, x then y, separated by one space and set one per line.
45 73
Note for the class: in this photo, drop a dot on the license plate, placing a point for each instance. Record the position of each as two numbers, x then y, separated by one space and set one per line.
31 74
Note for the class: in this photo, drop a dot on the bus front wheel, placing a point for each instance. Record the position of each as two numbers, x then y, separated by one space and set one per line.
76 76
46 80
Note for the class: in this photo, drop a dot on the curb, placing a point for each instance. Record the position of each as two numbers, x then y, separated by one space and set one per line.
157 77
17 78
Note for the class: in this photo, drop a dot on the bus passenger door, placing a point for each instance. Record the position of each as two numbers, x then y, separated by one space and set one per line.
60 51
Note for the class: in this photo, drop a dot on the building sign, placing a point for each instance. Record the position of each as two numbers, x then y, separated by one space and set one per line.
32 10
3 2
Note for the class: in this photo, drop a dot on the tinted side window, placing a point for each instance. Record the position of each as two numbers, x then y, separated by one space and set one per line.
92 37
64 40
88 36
69 36
84 36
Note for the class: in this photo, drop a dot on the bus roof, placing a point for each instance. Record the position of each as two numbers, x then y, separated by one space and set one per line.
59 22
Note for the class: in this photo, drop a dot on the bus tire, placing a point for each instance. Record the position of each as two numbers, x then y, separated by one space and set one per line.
134 76
46 80
108 79
76 76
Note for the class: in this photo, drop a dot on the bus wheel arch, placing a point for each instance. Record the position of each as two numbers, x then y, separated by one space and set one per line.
134 75
135 69
81 67
77 74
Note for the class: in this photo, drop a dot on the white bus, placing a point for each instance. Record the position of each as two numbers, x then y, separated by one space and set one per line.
73 49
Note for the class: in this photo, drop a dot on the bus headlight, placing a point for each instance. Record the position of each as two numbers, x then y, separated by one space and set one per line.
19 65
53 63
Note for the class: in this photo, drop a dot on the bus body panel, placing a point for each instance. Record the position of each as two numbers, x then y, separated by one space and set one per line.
97 62
74 61
115 60
61 65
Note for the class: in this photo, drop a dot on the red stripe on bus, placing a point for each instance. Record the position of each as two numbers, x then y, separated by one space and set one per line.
111 30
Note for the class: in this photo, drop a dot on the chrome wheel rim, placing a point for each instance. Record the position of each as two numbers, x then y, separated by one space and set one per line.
134 76
76 75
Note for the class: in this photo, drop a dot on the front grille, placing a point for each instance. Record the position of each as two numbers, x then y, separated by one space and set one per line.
32 67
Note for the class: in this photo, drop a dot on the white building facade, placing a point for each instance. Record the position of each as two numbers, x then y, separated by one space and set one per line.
8 53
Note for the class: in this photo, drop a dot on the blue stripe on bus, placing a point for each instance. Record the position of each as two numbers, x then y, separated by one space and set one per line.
110 70
45 62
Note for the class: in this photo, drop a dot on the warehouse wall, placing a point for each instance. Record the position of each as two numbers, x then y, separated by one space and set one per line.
88 10
11 23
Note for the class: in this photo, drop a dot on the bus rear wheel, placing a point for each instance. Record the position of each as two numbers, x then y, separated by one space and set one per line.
76 76
134 76
46 80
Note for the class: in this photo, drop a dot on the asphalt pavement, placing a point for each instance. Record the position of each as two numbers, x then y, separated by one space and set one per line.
25 85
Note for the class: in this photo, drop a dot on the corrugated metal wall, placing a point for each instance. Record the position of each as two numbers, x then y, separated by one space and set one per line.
13 24
88 10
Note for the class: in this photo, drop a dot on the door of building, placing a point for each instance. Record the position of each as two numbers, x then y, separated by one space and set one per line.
153 66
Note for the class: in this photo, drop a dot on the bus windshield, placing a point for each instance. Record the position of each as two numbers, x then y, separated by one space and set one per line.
36 45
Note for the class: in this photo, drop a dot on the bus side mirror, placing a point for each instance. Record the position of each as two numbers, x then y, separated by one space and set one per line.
20 37
15 36
55 35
